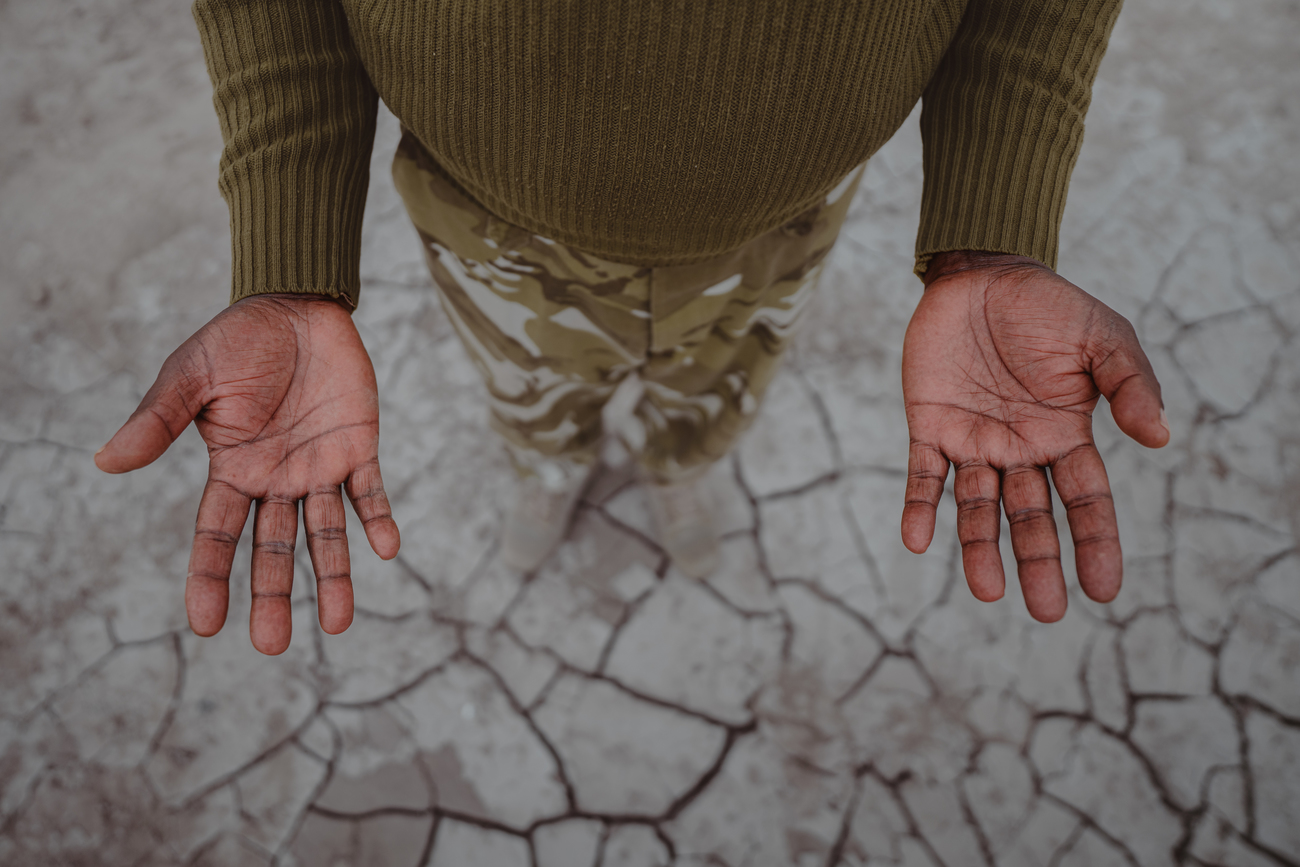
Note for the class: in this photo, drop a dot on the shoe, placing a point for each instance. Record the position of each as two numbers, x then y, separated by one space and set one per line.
540 516
683 513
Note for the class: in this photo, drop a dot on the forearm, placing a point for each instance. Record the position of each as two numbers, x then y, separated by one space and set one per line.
297 115
1002 125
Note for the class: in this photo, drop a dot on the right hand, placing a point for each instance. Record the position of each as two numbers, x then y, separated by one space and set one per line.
283 392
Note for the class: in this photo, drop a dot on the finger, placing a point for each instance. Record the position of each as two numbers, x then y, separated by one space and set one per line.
165 411
327 543
1125 377
1028 503
365 489
222 513
927 469
1080 480
275 530
978 525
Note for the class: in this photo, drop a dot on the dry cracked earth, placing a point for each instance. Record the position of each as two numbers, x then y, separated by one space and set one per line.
825 699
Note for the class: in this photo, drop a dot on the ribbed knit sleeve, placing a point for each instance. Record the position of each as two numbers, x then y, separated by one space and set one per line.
297 114
1002 122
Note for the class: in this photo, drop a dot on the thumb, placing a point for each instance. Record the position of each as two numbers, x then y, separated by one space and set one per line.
1125 377
166 410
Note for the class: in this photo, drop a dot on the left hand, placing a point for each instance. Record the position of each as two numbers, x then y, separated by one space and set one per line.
1003 363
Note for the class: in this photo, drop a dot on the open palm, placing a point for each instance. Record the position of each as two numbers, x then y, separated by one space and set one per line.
283 393
1003 364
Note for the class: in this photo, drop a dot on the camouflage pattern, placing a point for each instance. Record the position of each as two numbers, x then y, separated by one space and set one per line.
554 331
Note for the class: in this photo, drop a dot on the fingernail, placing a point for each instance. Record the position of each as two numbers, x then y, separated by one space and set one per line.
1164 419
101 448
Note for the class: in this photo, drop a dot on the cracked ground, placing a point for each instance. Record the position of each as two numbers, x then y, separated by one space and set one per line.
826 698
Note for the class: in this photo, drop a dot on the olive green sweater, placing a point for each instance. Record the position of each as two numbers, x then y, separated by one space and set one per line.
647 131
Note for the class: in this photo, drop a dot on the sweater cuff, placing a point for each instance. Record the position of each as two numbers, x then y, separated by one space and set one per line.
991 202
297 115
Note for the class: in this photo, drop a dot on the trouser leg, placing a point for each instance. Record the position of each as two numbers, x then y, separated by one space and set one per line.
552 331
699 400
720 330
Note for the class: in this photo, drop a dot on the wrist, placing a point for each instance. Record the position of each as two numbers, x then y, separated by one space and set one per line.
297 300
952 262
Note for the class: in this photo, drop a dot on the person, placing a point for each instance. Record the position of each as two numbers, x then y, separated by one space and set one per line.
626 204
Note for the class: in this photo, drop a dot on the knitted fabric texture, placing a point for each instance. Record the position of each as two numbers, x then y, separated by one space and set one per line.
651 132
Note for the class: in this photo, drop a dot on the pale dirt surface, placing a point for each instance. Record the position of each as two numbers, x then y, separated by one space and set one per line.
827 698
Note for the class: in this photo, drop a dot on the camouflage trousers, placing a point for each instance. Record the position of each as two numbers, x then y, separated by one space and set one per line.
556 332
